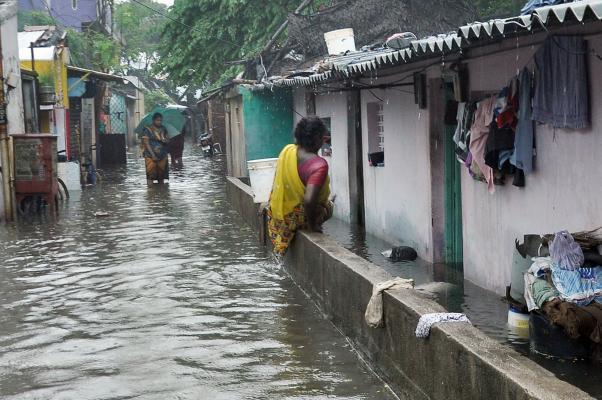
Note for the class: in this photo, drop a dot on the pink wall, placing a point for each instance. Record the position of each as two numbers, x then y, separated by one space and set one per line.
564 192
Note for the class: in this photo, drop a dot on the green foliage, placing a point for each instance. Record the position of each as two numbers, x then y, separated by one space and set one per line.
156 98
224 30
46 78
91 49
33 18
141 29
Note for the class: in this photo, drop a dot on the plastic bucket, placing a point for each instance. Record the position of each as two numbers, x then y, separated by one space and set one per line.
340 41
261 175
517 319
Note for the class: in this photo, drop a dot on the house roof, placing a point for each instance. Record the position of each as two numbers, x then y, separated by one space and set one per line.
375 20
39 53
470 35
97 74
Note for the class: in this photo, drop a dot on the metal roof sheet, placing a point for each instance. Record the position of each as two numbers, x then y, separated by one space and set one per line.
39 53
579 11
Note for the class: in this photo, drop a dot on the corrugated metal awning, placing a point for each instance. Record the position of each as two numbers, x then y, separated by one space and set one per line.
466 36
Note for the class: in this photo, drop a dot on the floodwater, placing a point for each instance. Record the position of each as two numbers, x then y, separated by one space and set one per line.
487 311
168 297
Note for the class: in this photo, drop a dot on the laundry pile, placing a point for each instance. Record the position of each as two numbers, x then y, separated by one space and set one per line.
567 288
495 134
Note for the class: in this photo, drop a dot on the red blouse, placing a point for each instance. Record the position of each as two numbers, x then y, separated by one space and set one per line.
313 171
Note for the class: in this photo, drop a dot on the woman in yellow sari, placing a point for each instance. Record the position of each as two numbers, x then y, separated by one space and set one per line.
301 190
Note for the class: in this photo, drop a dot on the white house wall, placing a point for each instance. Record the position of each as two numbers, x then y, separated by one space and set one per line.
397 196
564 192
334 106
11 66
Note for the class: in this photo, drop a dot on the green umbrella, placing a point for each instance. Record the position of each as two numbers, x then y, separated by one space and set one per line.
173 121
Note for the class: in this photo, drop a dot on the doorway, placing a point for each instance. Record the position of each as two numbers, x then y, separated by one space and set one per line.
453 251
446 195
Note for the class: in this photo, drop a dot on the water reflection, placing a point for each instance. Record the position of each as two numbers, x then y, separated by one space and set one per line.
169 296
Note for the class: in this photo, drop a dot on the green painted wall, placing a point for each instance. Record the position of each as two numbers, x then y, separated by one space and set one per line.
268 119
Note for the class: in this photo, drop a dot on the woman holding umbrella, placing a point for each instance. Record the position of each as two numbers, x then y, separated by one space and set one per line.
155 130
155 146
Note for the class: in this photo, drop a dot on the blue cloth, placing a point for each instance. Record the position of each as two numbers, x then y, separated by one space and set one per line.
157 139
561 97
533 4
578 286
565 252
524 139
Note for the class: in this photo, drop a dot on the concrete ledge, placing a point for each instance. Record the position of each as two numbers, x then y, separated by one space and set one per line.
457 361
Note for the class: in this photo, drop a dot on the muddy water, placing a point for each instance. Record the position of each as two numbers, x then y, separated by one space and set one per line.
168 297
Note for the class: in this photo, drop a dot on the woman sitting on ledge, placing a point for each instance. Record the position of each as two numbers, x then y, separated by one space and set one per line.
301 190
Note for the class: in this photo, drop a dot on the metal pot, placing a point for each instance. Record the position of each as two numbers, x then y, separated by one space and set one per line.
47 95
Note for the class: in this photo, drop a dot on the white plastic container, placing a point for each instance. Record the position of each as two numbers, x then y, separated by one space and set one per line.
340 41
517 319
69 172
261 174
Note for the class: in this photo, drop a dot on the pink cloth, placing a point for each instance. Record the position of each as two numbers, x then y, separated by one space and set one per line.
313 171
478 138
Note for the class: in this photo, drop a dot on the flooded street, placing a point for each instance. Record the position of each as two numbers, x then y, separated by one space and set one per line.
169 297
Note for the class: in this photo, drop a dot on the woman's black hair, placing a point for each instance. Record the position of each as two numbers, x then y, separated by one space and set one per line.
308 129
157 115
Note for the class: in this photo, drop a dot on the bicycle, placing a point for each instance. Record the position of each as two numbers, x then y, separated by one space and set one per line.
90 175
63 192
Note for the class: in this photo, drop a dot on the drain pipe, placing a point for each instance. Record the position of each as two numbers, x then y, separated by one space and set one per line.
4 146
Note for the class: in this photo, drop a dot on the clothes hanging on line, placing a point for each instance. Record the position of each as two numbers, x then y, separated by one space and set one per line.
524 138
561 96
479 132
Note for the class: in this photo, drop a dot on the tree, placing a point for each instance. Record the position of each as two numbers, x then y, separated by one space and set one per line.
488 9
140 28
156 98
211 33
91 49
34 18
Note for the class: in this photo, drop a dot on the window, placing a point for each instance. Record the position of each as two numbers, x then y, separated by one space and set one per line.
327 146
376 134
74 4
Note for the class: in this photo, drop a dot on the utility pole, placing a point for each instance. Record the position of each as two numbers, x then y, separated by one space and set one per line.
4 144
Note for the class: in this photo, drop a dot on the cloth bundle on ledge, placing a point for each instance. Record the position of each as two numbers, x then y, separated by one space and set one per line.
374 310
423 329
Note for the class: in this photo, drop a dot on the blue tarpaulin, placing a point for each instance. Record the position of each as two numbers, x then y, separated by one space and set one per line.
77 87
533 4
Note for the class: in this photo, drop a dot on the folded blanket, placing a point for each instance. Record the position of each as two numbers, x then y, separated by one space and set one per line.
580 286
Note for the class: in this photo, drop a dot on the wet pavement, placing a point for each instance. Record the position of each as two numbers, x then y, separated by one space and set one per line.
486 310
168 297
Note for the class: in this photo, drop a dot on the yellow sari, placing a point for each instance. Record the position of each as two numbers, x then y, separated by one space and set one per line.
286 212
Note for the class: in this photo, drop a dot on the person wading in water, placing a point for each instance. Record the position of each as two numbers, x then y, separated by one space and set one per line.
155 146
176 150
300 195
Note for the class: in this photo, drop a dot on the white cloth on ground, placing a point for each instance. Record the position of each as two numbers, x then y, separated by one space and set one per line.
374 310
423 329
